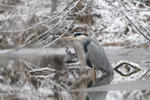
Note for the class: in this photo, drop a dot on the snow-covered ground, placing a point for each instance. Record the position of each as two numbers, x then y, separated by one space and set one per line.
36 23
21 77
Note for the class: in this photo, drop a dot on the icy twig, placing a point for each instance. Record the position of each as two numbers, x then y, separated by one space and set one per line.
144 74
130 21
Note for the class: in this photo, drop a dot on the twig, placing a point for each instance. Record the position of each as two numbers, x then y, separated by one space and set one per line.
57 24
58 37
144 74
88 2
131 22
137 28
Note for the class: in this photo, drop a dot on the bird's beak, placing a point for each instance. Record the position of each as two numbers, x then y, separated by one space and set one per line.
68 38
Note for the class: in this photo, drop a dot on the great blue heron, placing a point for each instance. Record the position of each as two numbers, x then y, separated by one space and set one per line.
91 53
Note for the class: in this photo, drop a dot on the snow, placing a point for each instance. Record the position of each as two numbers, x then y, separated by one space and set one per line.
110 28
115 24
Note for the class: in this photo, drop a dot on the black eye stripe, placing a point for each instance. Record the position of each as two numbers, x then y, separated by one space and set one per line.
77 34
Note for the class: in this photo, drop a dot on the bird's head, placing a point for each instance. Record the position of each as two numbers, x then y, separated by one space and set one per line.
75 36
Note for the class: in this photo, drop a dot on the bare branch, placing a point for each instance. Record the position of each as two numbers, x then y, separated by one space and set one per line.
131 22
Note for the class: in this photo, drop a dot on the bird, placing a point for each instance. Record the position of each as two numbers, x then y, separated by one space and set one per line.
91 53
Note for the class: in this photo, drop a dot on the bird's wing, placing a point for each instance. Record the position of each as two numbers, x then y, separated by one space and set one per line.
97 56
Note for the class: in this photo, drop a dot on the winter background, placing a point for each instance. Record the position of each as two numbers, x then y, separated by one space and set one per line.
30 32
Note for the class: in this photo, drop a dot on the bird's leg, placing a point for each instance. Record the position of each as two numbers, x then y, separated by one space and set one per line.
93 74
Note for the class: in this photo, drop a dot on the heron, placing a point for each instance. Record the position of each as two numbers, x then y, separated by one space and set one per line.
91 53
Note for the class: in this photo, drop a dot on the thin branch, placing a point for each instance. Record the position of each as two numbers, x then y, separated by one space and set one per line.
88 2
19 31
130 21
57 24
31 27
58 37
144 74
60 21
136 27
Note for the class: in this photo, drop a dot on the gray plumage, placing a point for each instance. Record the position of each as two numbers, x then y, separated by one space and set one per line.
91 50
91 53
